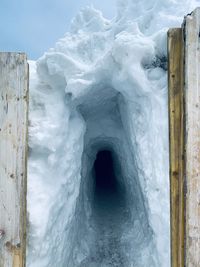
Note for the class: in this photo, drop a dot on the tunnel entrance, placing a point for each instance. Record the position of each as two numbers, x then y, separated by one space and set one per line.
111 222
108 212
104 173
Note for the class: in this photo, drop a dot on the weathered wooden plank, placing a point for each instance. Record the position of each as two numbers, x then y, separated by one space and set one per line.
192 104
176 126
13 158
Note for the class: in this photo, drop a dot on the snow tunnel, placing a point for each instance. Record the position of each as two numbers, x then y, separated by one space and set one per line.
109 210
100 213
99 103
112 225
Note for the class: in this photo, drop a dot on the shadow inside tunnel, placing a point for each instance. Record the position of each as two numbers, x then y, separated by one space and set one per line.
108 211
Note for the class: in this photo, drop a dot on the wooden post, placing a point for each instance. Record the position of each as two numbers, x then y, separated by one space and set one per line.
184 110
13 158
176 126
192 105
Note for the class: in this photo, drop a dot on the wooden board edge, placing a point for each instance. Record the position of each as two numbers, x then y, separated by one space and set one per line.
176 144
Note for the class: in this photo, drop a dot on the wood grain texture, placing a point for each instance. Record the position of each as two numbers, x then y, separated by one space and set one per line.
176 126
13 158
192 100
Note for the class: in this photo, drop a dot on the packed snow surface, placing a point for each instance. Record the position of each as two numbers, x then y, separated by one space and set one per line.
98 185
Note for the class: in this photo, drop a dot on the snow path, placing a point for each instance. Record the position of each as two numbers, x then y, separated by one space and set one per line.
109 215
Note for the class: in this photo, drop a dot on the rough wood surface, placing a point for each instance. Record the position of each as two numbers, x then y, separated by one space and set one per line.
192 100
13 158
176 126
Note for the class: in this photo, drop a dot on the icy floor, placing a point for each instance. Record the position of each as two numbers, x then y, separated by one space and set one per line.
102 88
109 213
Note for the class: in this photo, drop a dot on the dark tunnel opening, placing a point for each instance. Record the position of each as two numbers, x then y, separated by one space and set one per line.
109 208
105 177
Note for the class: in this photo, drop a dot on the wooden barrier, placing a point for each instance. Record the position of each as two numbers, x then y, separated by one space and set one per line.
13 158
176 126
192 124
184 119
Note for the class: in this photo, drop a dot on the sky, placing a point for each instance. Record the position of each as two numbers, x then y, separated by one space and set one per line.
34 26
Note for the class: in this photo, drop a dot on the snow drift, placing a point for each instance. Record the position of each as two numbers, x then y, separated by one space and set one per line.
99 100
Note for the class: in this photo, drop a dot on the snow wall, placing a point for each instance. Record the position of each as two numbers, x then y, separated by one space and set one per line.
102 88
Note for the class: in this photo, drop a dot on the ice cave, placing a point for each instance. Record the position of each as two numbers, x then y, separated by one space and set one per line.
109 187
99 213
98 187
